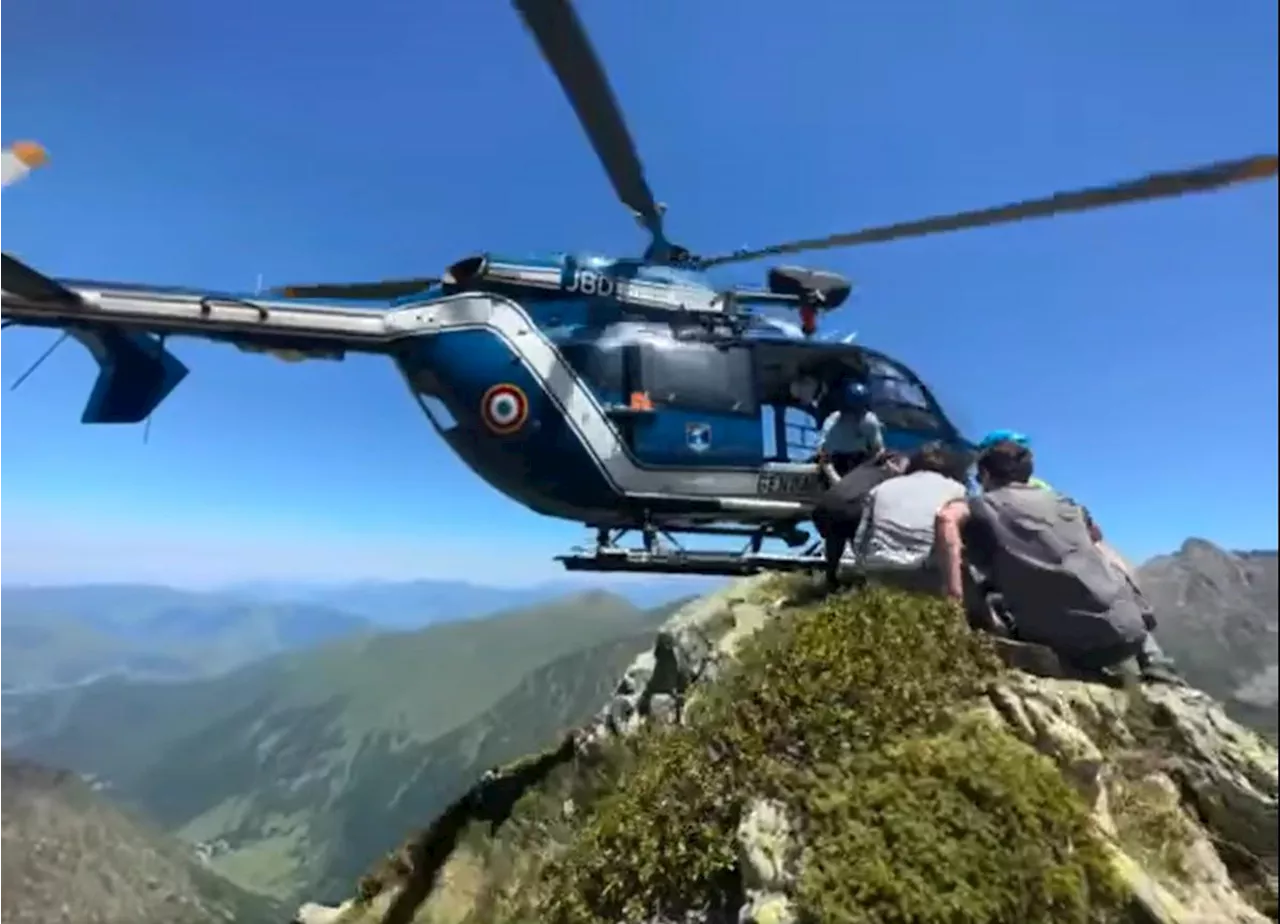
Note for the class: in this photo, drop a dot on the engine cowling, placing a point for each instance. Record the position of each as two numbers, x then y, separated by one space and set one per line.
824 290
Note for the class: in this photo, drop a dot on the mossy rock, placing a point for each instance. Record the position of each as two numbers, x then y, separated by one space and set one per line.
844 709
970 825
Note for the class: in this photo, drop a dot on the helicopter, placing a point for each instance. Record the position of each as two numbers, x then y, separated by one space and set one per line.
628 394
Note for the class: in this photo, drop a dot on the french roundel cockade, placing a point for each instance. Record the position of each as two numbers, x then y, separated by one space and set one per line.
504 408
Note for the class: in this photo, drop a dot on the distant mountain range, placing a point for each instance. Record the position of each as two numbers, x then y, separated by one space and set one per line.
58 636
414 604
292 769
68 635
294 772
1218 618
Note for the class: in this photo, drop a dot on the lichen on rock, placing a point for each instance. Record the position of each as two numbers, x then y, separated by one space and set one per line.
1186 797
864 757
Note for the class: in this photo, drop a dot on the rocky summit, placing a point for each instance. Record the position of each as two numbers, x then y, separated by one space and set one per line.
784 757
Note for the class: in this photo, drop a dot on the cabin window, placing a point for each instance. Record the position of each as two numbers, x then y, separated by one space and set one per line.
700 377
600 367
904 417
426 388
438 411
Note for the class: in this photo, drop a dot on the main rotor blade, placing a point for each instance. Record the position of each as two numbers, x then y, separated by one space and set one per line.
19 159
564 43
1153 186
372 291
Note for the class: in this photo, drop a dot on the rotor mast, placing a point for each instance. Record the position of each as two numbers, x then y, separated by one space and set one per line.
659 249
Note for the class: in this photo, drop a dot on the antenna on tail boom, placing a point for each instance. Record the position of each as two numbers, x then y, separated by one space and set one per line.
39 361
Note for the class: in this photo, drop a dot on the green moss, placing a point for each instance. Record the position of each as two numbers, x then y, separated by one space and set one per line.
847 674
1150 823
969 825
664 834
542 822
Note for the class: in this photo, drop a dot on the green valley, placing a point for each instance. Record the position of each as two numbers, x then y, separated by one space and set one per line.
294 772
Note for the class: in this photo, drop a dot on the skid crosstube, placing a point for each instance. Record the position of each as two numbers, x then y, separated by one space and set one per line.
721 564
123 326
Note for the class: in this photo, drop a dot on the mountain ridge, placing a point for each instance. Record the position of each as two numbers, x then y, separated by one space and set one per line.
1217 617
859 758
410 604
59 636
64 635
266 760
345 779
71 857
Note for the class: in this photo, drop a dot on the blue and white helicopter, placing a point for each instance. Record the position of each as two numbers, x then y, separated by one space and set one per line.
627 394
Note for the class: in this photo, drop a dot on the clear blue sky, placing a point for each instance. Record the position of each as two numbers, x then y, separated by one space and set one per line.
202 144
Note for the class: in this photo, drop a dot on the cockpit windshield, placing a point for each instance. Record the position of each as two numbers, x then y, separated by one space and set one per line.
892 384
900 400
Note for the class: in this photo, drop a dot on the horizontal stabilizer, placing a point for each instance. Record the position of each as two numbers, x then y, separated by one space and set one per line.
136 373
23 281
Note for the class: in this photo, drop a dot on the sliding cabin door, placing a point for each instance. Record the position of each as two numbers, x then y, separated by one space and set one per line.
705 411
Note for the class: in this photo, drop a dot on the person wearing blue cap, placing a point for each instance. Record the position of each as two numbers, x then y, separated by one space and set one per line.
996 437
1011 436
1040 551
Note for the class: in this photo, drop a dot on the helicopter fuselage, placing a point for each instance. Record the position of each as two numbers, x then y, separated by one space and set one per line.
568 443
566 401
610 393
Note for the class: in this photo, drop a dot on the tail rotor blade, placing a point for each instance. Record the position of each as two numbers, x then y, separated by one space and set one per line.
1154 186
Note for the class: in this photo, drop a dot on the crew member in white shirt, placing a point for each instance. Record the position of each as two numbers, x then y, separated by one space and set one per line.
852 434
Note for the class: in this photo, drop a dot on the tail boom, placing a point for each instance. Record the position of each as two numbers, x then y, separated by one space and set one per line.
123 326
33 299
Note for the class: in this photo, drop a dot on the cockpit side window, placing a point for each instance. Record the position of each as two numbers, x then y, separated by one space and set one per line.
700 377
601 367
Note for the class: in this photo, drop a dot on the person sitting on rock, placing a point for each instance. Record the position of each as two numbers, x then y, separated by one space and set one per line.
839 510
1035 547
1155 663
894 540
987 611
1015 436
996 436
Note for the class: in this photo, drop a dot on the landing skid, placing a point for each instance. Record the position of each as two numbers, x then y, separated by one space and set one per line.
669 557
